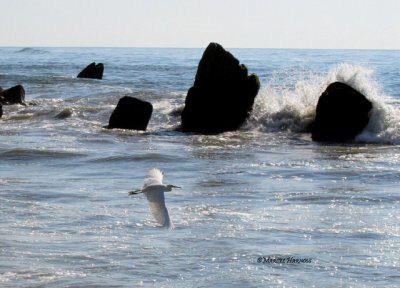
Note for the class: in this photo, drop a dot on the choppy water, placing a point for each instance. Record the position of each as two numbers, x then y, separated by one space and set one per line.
262 194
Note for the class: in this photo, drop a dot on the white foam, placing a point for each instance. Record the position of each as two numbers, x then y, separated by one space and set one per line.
277 109
384 125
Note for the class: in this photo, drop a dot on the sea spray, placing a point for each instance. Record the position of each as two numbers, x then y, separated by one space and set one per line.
283 109
292 107
384 125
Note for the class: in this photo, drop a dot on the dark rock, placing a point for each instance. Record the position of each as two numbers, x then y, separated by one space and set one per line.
92 71
341 114
1 110
13 95
131 113
222 96
64 114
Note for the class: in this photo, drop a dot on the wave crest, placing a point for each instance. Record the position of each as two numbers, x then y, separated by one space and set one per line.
29 50
292 108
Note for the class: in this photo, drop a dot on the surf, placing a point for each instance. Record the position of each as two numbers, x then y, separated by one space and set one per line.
291 108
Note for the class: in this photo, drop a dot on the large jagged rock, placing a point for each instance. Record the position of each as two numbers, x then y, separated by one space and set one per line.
222 95
92 71
131 113
341 114
13 95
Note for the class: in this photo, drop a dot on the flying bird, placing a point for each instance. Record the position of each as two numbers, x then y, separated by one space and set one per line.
154 190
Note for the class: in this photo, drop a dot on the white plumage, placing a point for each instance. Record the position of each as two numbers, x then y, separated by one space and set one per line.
154 190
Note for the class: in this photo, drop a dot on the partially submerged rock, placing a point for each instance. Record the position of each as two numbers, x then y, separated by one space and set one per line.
222 96
131 113
64 114
93 71
13 95
341 114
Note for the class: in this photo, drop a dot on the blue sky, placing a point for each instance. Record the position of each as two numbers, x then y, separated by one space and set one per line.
353 24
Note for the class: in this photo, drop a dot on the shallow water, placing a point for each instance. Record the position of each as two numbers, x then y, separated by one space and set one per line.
264 192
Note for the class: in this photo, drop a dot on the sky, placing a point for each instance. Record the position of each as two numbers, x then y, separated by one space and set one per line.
310 24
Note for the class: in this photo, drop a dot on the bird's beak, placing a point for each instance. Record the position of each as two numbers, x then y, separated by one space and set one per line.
134 192
173 186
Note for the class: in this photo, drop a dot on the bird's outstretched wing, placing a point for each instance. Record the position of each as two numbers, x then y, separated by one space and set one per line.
155 196
153 178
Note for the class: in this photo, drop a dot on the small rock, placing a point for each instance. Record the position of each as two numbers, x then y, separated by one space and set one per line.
131 113
14 95
92 71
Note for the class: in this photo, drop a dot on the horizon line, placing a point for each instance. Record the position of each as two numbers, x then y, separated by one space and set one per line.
191 47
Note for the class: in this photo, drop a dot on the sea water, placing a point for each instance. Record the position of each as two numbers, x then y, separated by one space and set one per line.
262 206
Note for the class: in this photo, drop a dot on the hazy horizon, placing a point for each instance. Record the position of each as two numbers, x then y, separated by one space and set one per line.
285 24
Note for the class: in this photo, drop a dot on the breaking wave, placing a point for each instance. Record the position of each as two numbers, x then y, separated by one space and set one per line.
292 108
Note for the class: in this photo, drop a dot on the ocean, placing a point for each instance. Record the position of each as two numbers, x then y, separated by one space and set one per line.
263 206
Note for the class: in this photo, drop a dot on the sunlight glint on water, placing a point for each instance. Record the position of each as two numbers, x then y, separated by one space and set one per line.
264 191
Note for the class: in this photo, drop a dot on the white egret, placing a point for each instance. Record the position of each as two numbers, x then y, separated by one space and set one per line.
154 190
